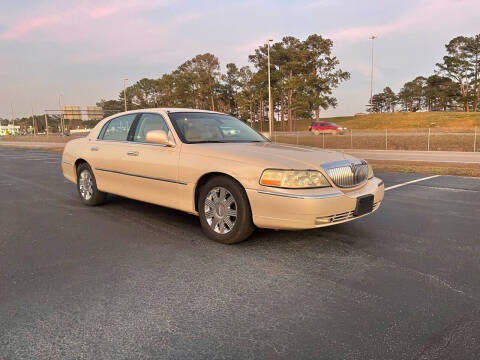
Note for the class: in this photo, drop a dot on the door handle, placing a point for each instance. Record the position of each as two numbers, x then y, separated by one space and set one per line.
94 148
132 153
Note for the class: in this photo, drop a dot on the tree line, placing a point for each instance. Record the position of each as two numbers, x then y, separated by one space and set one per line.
454 86
303 75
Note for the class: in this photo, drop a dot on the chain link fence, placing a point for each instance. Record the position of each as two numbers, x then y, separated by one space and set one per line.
430 139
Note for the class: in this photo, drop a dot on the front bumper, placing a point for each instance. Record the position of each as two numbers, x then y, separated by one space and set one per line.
68 169
308 209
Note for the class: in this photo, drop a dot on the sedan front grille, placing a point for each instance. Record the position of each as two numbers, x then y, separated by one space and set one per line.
341 217
347 173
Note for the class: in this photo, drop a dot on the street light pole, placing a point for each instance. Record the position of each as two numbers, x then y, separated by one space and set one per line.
33 122
13 120
61 113
373 37
125 93
46 123
270 104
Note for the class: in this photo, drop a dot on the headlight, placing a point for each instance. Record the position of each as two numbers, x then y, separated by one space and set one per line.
370 171
294 179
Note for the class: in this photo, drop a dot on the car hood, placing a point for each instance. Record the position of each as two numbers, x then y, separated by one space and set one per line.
269 154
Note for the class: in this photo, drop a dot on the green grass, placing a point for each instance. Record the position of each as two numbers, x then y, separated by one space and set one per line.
398 120
427 168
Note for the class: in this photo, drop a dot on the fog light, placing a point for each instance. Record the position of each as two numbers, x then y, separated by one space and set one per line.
322 220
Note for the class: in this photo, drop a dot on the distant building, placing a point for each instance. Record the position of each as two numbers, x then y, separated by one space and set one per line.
79 131
72 113
9 129
94 113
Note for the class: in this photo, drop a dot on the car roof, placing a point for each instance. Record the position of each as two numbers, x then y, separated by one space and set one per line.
173 110
101 123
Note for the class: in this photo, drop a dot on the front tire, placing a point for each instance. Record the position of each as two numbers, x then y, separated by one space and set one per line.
224 211
87 186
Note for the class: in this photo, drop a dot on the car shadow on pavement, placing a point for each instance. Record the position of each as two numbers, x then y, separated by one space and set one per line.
188 227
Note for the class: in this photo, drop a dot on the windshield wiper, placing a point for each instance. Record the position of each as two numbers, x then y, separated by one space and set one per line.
206 142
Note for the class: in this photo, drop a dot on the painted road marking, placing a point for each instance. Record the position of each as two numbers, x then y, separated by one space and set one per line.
410 182
30 157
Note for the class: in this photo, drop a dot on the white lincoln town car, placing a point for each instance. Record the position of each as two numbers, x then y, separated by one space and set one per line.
215 166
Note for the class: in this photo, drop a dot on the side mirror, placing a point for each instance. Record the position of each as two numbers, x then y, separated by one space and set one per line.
159 137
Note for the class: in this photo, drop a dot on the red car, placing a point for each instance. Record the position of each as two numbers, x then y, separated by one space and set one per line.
325 128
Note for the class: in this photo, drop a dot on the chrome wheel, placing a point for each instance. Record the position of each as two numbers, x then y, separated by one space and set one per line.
220 210
85 184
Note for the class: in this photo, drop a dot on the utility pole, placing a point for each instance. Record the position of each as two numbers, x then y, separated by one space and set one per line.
13 119
270 104
61 113
33 122
125 93
46 123
373 37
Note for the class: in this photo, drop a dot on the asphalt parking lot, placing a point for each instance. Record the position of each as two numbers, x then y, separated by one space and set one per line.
130 280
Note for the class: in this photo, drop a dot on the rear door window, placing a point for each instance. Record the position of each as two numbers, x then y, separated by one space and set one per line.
117 129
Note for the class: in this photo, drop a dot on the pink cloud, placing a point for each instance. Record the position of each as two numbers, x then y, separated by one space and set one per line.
427 16
80 13
29 25
103 11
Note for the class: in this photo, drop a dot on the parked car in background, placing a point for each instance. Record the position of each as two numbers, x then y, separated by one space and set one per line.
322 127
217 167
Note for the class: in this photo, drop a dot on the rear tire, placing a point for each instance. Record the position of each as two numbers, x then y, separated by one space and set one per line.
224 211
87 186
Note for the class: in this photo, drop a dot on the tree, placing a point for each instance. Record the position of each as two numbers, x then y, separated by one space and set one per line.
321 75
245 98
440 93
405 95
229 88
390 99
302 72
111 107
303 76
457 66
378 103
195 82
472 50
411 95
384 101
144 93
206 70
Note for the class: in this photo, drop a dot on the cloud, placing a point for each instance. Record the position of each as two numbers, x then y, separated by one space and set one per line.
427 16
68 17
24 27
319 3
250 46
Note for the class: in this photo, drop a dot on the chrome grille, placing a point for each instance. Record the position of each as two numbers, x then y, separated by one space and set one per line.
347 173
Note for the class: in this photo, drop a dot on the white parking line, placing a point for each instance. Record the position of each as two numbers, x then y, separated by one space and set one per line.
410 182
30 158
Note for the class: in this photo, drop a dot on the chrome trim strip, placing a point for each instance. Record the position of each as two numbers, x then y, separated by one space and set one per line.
147 143
106 140
142 176
66 162
133 142
324 196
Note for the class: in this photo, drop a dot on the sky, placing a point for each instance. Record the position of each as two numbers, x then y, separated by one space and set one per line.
83 49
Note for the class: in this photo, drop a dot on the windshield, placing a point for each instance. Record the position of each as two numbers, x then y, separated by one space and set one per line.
203 127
